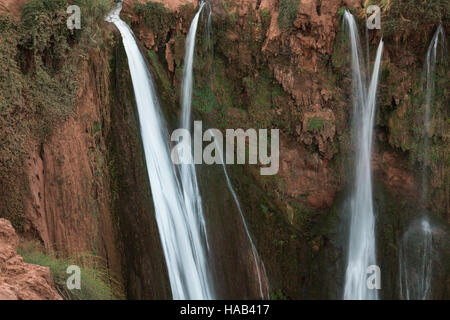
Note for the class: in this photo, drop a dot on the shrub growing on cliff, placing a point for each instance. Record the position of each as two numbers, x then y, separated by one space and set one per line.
288 13
411 17
39 65
44 27
155 16
13 123
315 123
93 13
96 282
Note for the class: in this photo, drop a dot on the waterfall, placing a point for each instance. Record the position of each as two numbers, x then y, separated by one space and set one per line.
180 238
415 254
429 87
361 249
193 200
415 262
188 172
263 281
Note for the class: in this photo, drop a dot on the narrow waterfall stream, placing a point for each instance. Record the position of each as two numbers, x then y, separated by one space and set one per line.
188 172
361 247
416 247
415 261
181 240
429 86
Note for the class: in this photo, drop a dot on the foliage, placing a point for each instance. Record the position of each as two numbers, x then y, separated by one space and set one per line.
278 295
204 99
44 28
93 13
411 17
13 122
155 16
40 63
315 123
96 282
288 13
265 18
10 76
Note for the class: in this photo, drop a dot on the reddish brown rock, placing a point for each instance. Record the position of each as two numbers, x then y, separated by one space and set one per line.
306 175
14 7
68 204
19 280
147 37
390 169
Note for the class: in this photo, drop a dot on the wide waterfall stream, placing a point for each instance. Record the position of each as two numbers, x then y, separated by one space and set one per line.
361 247
181 240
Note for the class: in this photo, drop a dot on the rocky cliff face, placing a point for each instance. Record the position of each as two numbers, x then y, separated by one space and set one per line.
291 48
71 164
19 280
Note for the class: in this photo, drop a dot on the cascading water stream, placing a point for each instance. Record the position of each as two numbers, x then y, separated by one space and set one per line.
263 281
361 252
188 172
416 248
180 238
429 86
415 262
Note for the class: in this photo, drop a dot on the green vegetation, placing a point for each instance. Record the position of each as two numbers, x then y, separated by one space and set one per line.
155 16
410 17
161 73
265 18
278 295
96 282
204 99
315 123
41 61
288 13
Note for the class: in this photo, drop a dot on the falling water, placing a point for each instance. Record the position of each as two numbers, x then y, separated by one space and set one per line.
181 241
361 253
415 261
263 282
188 172
429 68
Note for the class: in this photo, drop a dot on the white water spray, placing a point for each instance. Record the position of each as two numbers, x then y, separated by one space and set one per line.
415 262
181 240
361 253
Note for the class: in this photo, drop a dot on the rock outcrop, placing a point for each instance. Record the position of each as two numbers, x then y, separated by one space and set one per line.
13 7
20 280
